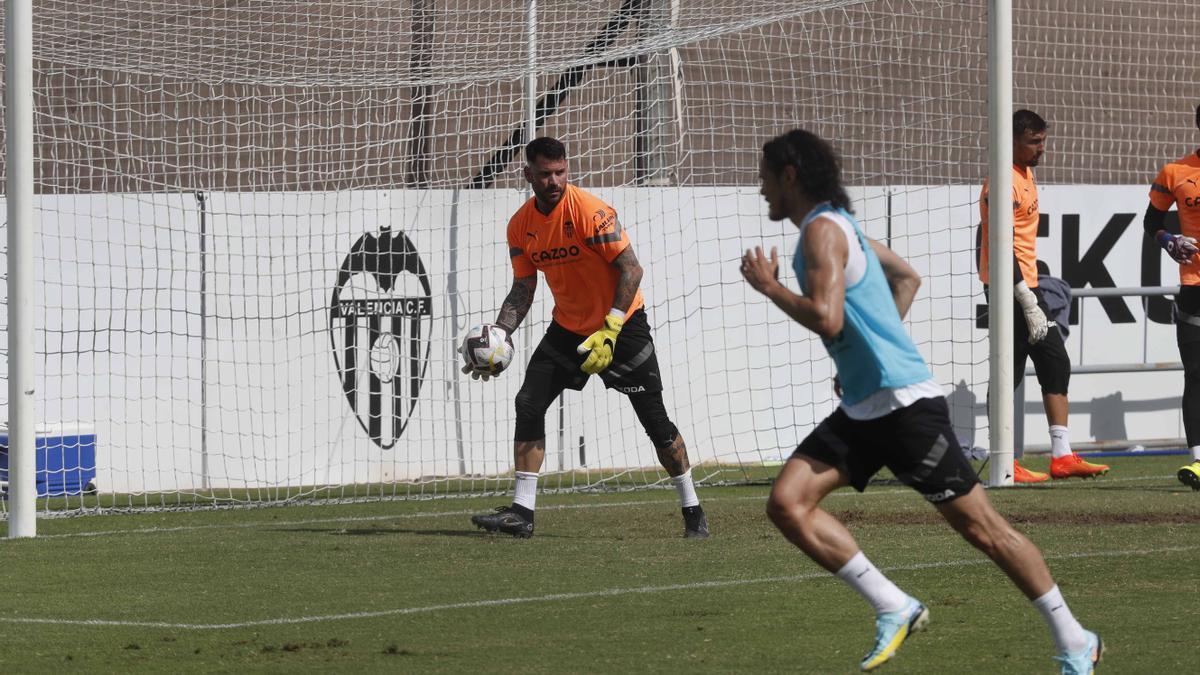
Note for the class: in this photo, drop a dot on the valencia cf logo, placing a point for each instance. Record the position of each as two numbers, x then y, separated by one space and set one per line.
380 322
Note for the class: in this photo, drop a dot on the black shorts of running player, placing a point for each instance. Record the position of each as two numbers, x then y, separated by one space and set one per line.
917 443
634 372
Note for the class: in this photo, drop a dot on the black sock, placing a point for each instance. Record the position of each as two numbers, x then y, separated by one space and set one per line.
692 510
525 513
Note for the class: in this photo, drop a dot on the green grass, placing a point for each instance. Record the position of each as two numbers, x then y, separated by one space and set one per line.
606 585
428 487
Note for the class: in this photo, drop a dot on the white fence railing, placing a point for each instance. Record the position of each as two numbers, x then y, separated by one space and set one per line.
1143 366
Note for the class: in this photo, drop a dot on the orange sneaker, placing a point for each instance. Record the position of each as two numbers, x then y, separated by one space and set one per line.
1023 475
1074 466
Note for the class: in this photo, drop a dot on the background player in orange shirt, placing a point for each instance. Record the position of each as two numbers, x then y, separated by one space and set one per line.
1179 183
1036 337
579 245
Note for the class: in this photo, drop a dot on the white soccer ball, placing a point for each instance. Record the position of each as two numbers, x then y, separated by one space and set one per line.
385 357
487 349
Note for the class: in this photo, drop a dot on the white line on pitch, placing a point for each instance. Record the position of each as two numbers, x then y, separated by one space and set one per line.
468 512
611 592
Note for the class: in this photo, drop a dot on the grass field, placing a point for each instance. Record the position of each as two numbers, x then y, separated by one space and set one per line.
606 585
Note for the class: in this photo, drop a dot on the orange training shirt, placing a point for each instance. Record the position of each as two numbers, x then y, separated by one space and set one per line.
574 248
1179 183
1025 226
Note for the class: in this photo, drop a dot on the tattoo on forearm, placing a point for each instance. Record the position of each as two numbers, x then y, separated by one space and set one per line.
516 305
630 279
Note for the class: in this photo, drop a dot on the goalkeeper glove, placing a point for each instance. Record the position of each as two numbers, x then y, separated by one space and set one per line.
602 343
478 374
1180 248
1035 318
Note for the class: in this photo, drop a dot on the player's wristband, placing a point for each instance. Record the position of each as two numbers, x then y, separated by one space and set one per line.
618 314
1024 295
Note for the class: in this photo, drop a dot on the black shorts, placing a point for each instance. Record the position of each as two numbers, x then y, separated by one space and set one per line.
916 442
554 365
1050 360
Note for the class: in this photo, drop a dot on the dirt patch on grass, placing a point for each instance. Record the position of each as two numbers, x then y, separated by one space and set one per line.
930 517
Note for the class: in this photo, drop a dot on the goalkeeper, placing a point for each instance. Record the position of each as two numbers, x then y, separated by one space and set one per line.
1177 184
1036 336
599 327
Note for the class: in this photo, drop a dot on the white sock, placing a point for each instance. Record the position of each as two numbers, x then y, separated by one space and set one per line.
1068 634
870 583
1060 443
1196 453
526 489
686 489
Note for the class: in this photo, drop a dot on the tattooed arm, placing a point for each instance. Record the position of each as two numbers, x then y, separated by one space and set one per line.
516 305
631 277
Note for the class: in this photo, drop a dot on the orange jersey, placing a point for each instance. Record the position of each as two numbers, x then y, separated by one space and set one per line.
1025 226
1179 183
574 248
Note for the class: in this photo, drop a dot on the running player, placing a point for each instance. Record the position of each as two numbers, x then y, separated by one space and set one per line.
1035 336
892 413
1179 183
599 326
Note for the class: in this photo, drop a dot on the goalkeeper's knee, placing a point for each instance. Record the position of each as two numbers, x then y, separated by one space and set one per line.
653 415
531 417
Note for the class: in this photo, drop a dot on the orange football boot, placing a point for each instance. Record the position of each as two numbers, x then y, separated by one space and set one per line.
1074 466
1023 475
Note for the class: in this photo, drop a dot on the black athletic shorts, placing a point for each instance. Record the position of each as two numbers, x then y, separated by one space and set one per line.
1051 362
555 365
916 442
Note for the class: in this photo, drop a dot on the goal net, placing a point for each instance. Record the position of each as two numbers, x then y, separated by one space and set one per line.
264 226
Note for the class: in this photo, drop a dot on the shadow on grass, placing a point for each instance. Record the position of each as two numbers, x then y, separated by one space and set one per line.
379 531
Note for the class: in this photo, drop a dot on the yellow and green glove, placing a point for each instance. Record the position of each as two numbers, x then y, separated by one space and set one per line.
602 343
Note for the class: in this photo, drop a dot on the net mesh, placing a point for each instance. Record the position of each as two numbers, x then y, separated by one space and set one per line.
231 194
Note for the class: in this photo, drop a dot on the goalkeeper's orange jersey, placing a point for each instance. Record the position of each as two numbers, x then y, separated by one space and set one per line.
574 248
1179 183
1025 226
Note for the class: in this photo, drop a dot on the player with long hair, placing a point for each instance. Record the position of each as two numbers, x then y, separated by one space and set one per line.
892 413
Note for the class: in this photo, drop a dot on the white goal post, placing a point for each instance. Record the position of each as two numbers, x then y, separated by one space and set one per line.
18 155
260 229
1000 243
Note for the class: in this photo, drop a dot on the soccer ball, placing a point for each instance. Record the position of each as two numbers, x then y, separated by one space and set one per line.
487 349
385 357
